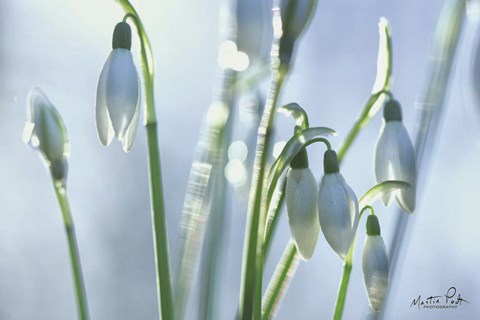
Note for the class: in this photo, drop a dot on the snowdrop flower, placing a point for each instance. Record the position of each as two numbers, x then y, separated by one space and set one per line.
395 157
294 16
118 92
253 19
46 131
301 192
375 264
337 207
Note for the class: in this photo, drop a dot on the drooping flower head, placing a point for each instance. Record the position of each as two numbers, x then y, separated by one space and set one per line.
118 92
45 131
288 26
337 207
395 157
301 199
375 264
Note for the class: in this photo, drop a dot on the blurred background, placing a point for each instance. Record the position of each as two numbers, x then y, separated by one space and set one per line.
61 47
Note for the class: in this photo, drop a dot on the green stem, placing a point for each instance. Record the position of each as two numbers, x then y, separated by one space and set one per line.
278 284
160 243
81 296
162 264
381 86
362 120
342 290
347 269
273 217
251 279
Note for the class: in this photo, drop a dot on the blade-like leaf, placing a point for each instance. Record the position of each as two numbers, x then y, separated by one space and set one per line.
380 189
384 58
380 88
293 109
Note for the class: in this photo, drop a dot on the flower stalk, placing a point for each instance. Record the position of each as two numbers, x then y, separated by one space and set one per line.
81 296
162 260
46 132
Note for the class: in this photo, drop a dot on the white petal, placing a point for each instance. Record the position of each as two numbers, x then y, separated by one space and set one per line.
384 151
395 160
375 270
406 197
132 129
301 199
122 90
352 206
102 118
334 210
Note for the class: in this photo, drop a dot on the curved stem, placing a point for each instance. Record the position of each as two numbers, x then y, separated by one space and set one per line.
162 261
362 120
81 296
347 269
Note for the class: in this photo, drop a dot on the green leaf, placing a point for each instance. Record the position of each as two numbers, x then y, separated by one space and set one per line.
380 189
384 58
298 113
380 87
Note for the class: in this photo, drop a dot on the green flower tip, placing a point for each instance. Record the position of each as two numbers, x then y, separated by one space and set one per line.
330 162
392 111
300 161
122 36
373 226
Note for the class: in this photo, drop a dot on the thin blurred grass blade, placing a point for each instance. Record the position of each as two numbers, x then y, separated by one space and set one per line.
214 242
208 160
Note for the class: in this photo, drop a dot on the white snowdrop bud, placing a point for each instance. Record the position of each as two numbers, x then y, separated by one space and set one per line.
375 264
46 132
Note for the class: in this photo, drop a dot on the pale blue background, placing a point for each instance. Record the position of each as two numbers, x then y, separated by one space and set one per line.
61 47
